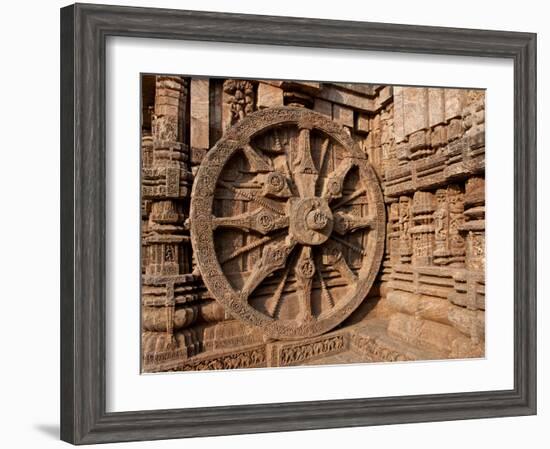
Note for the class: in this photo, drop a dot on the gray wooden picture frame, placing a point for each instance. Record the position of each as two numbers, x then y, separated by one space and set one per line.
84 29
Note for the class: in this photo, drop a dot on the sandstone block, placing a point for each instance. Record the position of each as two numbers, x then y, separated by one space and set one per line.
404 302
463 348
434 309
469 322
199 113
346 98
323 107
423 333
398 118
426 307
343 115
362 123
415 109
436 99
454 103
269 96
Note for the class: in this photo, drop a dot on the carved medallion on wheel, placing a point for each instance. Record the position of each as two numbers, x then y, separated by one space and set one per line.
287 222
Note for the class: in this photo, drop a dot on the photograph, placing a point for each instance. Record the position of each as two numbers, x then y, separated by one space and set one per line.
300 223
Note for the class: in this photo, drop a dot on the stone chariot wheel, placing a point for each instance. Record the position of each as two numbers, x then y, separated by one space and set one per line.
287 222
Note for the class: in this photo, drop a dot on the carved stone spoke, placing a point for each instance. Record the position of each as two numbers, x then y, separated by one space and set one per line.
305 270
347 199
334 184
277 295
324 289
332 256
355 248
265 202
306 174
285 206
344 223
275 184
257 162
260 220
323 153
273 258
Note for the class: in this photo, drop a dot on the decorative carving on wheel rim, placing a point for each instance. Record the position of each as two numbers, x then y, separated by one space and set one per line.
287 222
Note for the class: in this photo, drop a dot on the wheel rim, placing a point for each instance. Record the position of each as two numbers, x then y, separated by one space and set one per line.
310 211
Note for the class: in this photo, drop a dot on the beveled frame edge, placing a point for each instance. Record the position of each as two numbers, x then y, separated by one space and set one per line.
84 29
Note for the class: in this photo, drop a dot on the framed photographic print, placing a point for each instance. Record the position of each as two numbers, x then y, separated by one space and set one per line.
274 223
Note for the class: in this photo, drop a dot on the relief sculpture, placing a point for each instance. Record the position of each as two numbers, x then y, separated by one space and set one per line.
291 223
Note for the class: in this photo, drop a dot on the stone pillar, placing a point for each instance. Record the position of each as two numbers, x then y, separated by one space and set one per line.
474 226
393 233
448 218
457 245
423 230
441 228
415 103
386 159
438 128
405 244
166 186
398 117
167 181
454 108
199 126
146 163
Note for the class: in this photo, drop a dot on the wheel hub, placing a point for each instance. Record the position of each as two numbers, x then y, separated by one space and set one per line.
311 220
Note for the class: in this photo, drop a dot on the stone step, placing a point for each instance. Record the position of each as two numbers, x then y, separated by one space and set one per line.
371 340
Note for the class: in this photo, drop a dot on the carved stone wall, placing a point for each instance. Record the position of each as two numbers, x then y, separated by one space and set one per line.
435 293
373 197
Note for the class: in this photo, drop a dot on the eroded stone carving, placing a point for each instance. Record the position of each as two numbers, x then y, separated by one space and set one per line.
310 255
241 98
355 233
251 358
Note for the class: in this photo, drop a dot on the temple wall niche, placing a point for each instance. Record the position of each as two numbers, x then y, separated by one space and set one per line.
427 147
